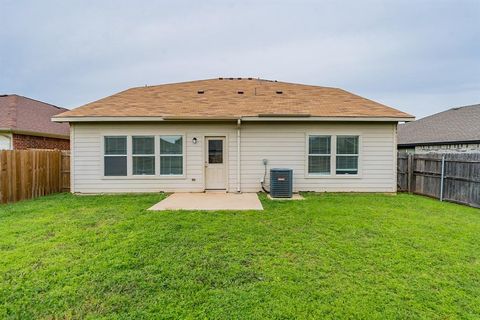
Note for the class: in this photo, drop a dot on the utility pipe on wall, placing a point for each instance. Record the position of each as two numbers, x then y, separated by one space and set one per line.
239 122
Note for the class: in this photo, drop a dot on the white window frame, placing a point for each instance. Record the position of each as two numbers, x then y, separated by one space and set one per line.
130 175
319 155
114 155
154 155
348 155
160 155
333 155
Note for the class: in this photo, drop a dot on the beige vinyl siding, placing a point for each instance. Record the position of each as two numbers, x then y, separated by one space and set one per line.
88 157
283 144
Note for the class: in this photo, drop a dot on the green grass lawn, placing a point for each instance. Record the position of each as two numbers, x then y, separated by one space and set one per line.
330 256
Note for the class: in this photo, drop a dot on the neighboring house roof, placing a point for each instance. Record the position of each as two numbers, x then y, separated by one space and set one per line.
460 124
233 98
24 115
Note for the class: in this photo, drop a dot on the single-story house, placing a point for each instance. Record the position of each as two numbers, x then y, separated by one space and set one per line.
455 130
26 123
226 133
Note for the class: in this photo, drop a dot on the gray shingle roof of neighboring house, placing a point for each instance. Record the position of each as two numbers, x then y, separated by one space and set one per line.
24 115
456 125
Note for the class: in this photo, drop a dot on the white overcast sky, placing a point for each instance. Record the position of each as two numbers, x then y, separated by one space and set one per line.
418 56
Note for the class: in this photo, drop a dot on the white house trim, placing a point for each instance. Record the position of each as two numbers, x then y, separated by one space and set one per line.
333 155
246 118
130 175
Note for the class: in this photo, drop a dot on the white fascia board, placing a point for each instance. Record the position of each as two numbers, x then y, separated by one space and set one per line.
105 119
34 133
265 119
356 119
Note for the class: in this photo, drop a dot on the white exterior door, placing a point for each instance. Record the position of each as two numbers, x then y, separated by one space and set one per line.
215 167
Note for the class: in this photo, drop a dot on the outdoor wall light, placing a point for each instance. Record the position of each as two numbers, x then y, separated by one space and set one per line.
194 140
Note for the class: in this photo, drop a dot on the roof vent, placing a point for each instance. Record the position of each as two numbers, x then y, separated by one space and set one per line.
240 92
200 91
279 92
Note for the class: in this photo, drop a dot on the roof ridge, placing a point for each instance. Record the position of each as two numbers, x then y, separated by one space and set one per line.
232 79
16 96
444 111
52 105
467 106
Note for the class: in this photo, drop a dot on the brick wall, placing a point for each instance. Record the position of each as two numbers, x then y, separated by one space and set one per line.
21 141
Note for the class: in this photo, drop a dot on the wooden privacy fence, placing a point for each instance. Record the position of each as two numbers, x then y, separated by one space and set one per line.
26 174
451 177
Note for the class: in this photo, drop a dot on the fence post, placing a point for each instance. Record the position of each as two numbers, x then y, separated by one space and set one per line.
410 172
442 176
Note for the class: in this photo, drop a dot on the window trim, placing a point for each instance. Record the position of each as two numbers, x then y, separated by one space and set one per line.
129 175
313 174
171 155
144 155
113 155
333 154
348 155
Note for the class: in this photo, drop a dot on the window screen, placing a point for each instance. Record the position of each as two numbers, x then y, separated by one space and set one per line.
171 155
319 154
115 158
116 146
347 155
143 155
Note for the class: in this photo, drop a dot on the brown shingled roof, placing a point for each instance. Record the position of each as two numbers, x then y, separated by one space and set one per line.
22 114
234 98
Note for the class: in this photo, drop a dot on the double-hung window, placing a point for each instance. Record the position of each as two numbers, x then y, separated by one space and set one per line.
171 155
115 156
319 155
143 155
347 155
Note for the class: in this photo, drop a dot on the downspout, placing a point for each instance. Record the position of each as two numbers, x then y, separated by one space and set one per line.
239 122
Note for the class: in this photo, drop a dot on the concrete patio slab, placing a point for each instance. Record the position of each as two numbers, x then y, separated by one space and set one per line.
209 201
295 196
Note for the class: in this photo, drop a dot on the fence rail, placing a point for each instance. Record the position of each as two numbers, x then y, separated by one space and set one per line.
451 177
27 174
